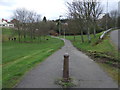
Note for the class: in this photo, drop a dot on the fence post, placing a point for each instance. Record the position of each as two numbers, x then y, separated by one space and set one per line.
66 68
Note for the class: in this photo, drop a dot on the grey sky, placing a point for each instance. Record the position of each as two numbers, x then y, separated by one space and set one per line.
49 8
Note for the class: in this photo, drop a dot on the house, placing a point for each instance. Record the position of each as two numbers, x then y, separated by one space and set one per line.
5 23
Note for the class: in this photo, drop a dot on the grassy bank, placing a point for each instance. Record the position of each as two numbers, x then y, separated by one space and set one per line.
102 51
18 58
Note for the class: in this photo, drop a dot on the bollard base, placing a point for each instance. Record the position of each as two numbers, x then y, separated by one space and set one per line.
66 84
66 80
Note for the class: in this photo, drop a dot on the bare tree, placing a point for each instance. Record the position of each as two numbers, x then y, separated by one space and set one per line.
29 24
26 22
18 23
76 13
87 4
114 16
86 14
96 12
72 27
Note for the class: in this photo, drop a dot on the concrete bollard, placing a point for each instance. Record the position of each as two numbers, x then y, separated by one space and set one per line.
66 68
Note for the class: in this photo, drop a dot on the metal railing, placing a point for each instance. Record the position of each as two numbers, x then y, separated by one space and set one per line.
105 32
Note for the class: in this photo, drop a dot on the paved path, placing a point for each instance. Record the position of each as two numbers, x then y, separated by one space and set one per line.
115 37
83 69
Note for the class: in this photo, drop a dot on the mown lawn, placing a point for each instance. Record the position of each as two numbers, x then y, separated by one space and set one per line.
18 58
102 51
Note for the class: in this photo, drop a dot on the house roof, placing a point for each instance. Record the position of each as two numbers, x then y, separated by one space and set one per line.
3 22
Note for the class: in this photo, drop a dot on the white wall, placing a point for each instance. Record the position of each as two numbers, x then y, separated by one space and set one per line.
5 24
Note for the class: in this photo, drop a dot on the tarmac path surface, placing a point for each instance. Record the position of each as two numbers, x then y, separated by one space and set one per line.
115 37
86 72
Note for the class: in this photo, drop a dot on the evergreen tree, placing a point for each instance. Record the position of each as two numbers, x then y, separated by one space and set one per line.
44 19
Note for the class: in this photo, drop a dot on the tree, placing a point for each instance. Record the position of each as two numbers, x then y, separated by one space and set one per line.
72 27
88 18
25 22
86 14
103 23
75 10
96 12
29 24
44 19
19 15
114 17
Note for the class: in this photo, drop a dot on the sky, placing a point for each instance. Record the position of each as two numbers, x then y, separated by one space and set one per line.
52 9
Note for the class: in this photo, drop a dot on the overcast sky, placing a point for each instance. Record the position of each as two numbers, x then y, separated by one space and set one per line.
49 8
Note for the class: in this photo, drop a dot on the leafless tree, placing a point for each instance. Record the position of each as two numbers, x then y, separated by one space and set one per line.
26 22
96 12
85 13
17 17
87 4
114 16
75 10
30 25
72 28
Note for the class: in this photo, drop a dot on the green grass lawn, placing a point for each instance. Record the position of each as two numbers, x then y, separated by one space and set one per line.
18 58
102 49
103 52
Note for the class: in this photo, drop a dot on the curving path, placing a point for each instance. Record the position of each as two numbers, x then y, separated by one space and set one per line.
84 70
115 37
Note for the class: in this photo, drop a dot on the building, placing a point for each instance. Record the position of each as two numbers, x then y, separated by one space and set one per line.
5 23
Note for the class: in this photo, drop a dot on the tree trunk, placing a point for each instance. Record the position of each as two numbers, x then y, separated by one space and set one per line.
44 37
34 37
94 32
19 36
31 36
82 39
18 29
24 36
74 37
89 38
40 38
